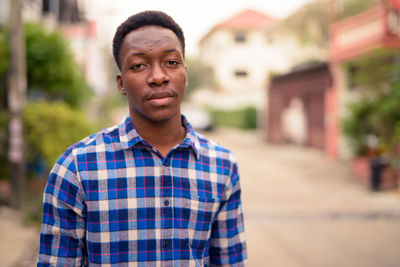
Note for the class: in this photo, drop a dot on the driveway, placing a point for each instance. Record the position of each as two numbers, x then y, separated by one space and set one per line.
303 209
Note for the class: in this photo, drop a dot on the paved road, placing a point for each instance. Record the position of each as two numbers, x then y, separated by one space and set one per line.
18 242
301 210
304 210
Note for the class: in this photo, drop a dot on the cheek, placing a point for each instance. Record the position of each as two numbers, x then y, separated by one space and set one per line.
185 80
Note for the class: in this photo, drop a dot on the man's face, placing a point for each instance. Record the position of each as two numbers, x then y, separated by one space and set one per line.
153 74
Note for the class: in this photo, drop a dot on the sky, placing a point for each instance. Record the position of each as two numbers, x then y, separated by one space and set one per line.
195 17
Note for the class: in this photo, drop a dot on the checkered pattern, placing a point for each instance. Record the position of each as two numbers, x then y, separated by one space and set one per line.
113 200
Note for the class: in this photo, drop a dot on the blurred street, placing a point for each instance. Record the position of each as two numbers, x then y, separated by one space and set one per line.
301 210
304 210
323 73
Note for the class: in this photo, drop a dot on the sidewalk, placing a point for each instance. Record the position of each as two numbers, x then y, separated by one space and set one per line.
18 243
303 209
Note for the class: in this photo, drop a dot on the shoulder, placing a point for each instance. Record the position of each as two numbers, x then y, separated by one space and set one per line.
93 143
209 143
220 160
212 148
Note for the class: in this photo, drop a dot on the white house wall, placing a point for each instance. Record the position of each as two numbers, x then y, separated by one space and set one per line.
255 56
261 55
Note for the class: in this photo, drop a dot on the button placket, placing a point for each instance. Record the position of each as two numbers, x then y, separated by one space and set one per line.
167 210
167 243
166 203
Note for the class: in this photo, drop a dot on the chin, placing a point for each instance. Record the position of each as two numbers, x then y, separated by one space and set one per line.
161 116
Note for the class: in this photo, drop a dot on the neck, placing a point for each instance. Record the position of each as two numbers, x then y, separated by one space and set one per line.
161 135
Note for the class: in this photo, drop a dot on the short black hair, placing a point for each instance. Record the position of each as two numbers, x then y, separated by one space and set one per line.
142 19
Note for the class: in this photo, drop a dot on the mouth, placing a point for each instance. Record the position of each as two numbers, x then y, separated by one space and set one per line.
162 98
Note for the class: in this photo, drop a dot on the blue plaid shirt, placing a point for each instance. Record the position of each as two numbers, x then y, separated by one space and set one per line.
113 200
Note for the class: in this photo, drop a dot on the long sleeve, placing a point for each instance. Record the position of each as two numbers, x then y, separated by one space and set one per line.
228 245
62 238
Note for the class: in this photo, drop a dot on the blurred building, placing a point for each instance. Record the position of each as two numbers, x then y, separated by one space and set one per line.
51 12
325 88
249 49
297 96
359 35
69 17
241 55
297 105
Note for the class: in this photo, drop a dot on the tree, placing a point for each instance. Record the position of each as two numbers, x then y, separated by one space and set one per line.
377 113
353 7
52 69
199 75
53 75
52 72
51 128
4 58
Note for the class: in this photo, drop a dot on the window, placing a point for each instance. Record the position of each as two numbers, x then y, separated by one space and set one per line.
351 77
394 22
241 74
240 37
45 6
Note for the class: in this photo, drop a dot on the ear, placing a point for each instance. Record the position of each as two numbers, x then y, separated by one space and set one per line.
120 84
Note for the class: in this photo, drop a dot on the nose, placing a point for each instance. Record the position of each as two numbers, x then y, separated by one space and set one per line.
158 76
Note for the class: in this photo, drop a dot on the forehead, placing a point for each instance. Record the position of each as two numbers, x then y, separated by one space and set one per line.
149 38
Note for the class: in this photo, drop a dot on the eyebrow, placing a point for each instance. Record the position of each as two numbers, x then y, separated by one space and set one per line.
136 54
172 50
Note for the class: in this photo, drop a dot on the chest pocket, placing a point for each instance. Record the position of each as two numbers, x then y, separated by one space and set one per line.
201 217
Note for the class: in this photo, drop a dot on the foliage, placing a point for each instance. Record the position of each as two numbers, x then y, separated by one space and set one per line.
51 68
377 113
3 68
386 119
3 53
51 128
52 74
353 7
4 171
357 126
52 71
199 75
310 25
245 118
373 71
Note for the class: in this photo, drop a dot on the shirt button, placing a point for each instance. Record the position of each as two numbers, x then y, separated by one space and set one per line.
166 202
166 163
167 243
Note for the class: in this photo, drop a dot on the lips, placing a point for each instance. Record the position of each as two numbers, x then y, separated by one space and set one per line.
161 94
160 98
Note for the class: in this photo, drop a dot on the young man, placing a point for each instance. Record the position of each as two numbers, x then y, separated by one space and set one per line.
149 191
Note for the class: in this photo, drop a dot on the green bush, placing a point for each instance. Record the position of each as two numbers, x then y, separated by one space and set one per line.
244 118
52 71
358 125
54 75
51 128
4 55
353 7
199 75
4 118
377 112
51 67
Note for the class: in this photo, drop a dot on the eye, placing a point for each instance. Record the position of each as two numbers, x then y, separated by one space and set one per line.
172 63
136 67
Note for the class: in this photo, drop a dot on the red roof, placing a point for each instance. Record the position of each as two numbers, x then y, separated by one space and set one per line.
247 19
395 3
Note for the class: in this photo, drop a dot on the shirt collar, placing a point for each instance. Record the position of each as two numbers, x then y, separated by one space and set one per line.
129 136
